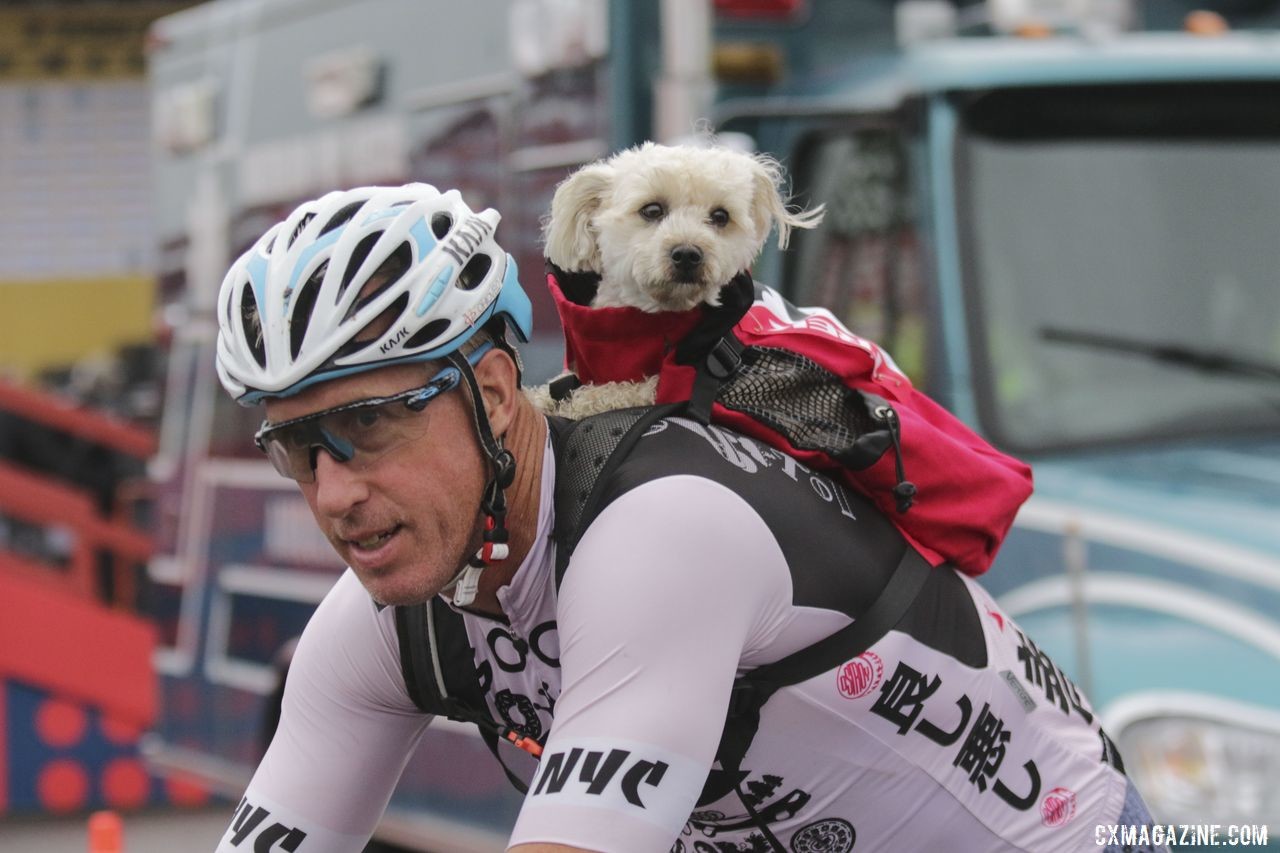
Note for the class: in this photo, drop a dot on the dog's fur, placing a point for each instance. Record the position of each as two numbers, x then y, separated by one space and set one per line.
665 228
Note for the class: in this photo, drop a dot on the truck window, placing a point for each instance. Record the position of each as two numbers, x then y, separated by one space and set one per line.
863 261
1122 256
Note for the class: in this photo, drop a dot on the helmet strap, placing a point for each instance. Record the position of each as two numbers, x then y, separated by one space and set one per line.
494 547
497 329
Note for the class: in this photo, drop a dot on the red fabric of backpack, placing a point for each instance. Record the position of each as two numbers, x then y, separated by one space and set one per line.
798 380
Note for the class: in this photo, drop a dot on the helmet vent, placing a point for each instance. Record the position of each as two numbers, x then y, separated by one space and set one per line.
297 229
342 217
386 275
373 330
303 304
251 319
474 272
358 255
441 225
427 333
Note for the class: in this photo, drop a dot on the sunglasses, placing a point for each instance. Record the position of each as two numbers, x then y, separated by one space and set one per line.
358 432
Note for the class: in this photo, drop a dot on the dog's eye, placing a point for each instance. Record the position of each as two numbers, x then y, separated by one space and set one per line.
652 212
719 217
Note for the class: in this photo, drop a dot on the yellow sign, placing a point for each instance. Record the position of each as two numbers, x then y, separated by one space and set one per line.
89 41
55 323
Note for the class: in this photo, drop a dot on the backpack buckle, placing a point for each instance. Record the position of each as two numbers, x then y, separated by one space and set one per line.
725 357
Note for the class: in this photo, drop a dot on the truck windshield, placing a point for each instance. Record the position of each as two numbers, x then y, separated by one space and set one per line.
1122 261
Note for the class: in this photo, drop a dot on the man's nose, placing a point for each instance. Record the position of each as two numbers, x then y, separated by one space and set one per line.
339 485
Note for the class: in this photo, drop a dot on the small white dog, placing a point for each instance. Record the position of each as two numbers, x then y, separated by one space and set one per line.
665 228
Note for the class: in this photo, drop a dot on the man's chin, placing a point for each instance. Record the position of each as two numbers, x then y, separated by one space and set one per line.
392 601
390 590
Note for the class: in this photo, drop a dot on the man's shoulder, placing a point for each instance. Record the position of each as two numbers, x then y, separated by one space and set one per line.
349 648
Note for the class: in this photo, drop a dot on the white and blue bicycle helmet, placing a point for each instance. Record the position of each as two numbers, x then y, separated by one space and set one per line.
367 278
412 261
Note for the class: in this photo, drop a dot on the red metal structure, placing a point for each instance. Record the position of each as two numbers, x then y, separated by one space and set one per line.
77 686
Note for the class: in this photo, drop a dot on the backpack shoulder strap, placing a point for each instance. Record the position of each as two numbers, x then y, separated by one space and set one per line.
752 690
414 632
439 671
587 452
436 659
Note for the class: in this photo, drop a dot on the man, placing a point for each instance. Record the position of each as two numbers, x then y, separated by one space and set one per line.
370 323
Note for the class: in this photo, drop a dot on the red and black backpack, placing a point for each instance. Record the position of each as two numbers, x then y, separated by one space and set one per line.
801 382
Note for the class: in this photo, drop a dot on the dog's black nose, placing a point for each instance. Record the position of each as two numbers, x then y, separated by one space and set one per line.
686 257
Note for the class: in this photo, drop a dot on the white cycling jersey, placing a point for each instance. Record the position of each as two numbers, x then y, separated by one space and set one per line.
954 731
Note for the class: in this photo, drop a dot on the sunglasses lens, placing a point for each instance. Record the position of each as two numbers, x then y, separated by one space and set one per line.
292 448
295 464
368 431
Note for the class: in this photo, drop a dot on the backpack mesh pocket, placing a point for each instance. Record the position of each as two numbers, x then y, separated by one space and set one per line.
808 405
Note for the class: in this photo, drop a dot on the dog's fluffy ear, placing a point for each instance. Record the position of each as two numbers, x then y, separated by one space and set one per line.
569 234
769 206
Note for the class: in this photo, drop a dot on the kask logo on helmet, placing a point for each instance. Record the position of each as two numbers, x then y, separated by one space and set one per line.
399 336
466 238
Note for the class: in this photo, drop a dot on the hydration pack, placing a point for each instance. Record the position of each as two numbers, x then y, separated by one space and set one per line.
799 381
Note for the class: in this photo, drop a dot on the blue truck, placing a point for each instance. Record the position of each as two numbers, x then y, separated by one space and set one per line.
1061 218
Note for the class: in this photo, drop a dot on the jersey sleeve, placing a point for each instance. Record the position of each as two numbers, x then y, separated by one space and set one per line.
347 728
668 589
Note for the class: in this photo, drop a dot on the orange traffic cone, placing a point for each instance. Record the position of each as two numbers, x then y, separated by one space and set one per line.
106 833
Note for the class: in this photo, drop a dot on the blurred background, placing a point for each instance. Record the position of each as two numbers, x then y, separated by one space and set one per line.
1062 218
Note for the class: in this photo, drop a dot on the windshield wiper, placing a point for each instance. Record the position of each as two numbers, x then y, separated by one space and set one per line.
1166 353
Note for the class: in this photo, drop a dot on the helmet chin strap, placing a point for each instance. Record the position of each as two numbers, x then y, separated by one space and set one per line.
495 548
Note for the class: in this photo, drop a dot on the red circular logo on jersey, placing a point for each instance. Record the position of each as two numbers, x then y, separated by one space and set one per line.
860 676
1058 807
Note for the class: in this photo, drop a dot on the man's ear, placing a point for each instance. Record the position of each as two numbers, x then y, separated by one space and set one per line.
569 234
499 383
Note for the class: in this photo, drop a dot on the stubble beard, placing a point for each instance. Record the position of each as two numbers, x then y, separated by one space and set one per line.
423 579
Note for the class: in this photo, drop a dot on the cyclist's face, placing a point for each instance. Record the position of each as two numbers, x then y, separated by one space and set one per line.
405 517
